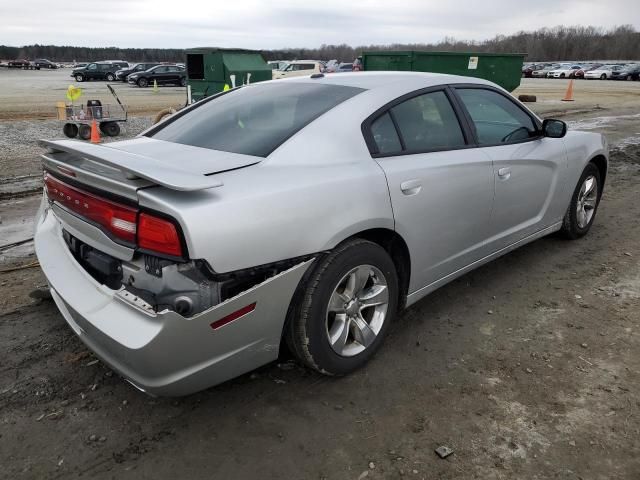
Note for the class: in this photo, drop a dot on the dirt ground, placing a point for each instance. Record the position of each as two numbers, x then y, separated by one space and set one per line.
527 368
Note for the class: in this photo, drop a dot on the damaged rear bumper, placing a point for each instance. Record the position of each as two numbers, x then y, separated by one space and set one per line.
165 353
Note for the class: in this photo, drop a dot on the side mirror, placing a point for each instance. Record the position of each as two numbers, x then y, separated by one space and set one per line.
554 128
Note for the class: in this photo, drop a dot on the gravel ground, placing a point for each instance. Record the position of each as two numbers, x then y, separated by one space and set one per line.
19 149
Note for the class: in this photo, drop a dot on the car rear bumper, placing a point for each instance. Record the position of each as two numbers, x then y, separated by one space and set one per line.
164 353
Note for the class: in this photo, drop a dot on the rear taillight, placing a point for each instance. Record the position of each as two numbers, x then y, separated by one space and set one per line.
158 235
118 220
126 224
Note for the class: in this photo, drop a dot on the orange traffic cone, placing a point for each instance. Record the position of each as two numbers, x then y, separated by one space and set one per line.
95 133
568 97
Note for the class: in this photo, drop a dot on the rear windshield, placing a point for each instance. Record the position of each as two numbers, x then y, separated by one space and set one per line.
256 119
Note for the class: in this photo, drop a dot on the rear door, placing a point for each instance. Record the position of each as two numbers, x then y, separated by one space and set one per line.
160 75
441 187
528 169
173 74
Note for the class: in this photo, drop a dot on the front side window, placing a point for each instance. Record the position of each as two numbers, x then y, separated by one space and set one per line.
496 118
92 66
428 122
255 119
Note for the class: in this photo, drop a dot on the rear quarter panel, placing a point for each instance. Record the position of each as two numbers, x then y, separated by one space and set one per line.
317 189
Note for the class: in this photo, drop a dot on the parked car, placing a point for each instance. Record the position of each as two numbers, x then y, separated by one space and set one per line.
297 68
138 67
97 71
161 74
564 71
527 70
629 72
544 71
585 68
305 211
331 66
344 67
603 72
44 63
19 63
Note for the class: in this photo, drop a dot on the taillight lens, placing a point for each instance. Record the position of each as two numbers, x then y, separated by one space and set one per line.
158 235
117 219
151 233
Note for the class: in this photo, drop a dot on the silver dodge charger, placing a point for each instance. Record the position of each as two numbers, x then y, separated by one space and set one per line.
303 212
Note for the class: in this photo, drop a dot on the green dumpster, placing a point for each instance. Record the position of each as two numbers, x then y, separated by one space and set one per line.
505 69
210 69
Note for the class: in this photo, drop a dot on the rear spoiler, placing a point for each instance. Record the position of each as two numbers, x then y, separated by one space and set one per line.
136 166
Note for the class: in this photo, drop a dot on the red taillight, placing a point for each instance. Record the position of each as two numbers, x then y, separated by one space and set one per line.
151 233
158 235
119 220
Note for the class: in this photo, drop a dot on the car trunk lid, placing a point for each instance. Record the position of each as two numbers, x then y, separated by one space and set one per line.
95 187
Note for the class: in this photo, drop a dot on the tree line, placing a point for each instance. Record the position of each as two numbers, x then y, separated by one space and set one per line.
545 44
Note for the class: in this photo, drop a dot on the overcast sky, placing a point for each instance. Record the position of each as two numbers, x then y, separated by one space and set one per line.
286 23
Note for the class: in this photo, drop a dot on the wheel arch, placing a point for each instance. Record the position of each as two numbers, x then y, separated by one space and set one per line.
397 249
601 163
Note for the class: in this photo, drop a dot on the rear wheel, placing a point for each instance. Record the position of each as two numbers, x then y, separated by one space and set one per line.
70 130
183 82
110 77
143 83
584 204
344 307
603 76
84 131
111 129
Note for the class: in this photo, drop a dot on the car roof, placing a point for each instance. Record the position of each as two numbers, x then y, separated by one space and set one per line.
375 80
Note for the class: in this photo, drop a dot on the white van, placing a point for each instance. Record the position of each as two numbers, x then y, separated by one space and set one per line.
298 68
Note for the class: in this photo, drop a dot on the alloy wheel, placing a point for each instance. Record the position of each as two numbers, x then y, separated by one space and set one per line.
587 199
357 310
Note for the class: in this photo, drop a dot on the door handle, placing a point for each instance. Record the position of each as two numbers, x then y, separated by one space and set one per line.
411 187
504 173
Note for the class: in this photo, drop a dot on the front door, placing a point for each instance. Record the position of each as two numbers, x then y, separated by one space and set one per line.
441 187
528 168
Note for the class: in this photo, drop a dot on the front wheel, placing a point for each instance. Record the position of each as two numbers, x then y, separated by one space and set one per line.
143 83
603 76
343 309
79 78
183 82
584 204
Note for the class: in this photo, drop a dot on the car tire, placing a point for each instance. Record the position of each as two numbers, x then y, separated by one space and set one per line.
70 130
584 201
111 129
358 332
111 77
603 76
183 82
79 78
84 131
143 82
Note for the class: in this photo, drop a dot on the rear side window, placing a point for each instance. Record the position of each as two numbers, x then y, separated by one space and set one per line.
496 118
385 135
428 122
255 119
